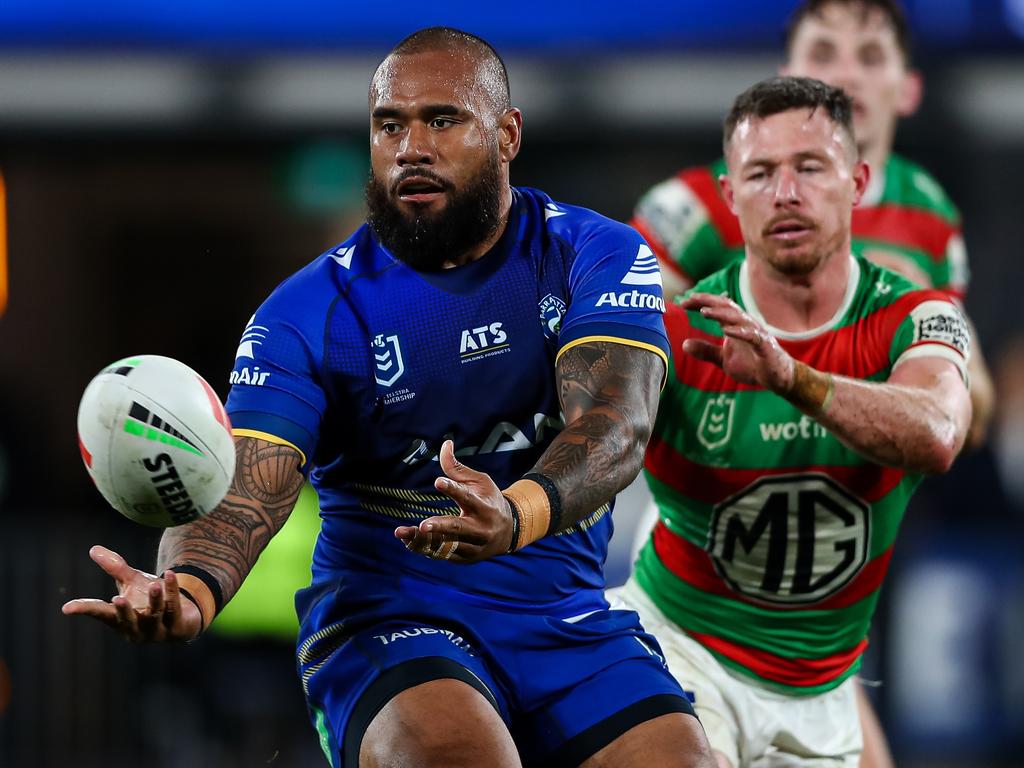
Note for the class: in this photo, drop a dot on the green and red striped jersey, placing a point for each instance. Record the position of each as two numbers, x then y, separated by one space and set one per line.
773 537
905 217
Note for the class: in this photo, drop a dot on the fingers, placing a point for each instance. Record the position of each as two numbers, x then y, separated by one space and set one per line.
89 606
454 468
698 301
704 350
112 563
427 541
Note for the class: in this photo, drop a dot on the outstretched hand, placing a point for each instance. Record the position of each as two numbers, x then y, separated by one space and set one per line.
748 353
483 527
146 608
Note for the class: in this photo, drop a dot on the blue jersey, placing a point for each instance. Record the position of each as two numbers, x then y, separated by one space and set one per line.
366 366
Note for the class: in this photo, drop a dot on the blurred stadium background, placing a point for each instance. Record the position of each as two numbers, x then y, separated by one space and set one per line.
166 165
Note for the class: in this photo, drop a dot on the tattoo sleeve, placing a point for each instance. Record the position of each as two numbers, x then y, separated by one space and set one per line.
609 395
227 541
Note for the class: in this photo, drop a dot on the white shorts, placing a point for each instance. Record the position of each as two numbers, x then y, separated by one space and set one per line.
754 727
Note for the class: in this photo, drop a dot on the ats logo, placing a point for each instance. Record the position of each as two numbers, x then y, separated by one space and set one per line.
483 341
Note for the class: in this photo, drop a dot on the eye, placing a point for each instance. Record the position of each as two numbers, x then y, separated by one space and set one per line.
441 122
872 56
810 167
756 175
390 128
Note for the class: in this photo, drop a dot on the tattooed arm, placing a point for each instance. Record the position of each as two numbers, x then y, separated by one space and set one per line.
213 554
609 395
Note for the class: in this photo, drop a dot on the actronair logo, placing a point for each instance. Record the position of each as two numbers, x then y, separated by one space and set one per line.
252 337
805 428
142 423
632 300
645 269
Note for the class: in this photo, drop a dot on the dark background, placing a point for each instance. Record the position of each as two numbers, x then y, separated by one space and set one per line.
165 170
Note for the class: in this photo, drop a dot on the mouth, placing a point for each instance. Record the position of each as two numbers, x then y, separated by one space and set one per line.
419 189
789 230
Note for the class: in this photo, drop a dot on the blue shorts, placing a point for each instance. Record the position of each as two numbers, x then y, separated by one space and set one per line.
565 687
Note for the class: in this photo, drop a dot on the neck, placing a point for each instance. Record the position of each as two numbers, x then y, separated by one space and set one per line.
484 246
800 303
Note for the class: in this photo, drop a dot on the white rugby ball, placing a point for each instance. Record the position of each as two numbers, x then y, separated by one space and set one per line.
156 440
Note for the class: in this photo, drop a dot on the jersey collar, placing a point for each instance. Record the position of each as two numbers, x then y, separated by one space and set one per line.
747 297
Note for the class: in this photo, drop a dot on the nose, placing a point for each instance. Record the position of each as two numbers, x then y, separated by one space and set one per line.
847 74
416 146
787 188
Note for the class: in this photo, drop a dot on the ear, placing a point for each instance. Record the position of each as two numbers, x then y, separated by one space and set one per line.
727 192
861 179
510 134
911 93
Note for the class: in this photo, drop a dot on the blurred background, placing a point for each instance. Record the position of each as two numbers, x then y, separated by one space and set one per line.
166 165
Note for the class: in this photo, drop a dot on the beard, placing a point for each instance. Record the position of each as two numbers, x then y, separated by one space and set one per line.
426 241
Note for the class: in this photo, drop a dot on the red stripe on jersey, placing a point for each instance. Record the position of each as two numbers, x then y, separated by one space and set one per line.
711 485
909 227
859 350
799 673
694 566
705 186
664 259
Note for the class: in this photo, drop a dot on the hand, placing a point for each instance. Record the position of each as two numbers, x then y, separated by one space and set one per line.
483 527
748 354
147 608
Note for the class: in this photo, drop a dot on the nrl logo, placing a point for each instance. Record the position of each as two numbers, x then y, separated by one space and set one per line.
387 359
716 422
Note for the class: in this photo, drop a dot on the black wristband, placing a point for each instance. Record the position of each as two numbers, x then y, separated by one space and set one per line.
207 578
514 510
202 619
554 499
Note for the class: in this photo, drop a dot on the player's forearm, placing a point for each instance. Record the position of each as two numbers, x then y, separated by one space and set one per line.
890 424
593 459
225 543
609 394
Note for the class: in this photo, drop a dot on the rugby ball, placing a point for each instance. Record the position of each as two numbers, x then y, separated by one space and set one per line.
156 440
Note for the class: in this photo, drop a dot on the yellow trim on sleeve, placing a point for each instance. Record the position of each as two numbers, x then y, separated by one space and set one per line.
617 340
270 439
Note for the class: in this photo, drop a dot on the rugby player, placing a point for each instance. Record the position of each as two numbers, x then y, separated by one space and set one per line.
810 390
419 371
905 220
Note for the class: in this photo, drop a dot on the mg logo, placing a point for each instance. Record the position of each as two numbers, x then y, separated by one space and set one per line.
387 359
716 422
790 539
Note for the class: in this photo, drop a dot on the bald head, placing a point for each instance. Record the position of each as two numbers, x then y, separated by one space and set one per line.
491 77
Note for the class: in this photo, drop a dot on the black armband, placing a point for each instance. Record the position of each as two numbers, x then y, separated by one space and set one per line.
554 499
207 578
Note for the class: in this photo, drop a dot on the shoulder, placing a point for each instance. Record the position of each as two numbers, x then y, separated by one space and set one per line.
314 288
690 188
579 226
909 184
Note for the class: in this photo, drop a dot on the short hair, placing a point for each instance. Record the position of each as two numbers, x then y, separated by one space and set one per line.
891 9
781 94
451 39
